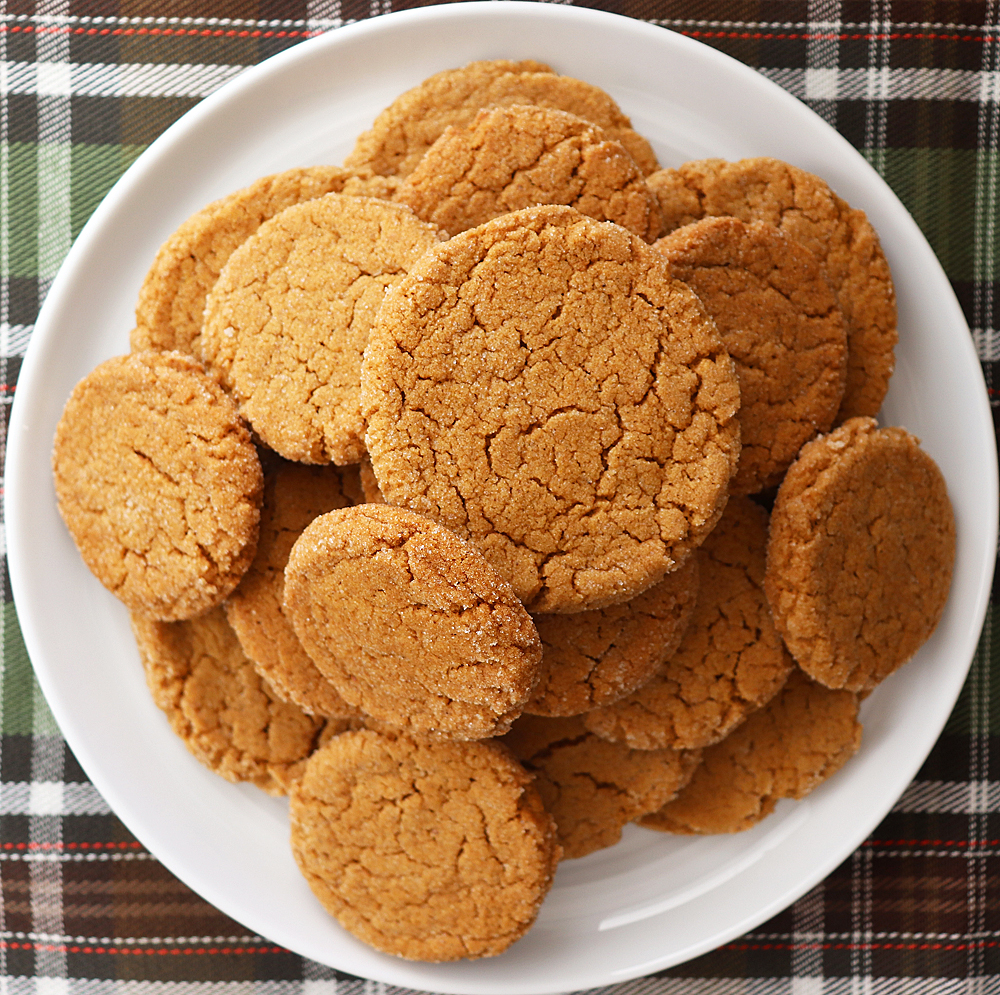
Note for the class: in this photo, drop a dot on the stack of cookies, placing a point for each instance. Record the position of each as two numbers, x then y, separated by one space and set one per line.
499 488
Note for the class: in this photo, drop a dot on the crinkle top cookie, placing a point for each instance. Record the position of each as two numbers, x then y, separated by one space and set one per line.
543 386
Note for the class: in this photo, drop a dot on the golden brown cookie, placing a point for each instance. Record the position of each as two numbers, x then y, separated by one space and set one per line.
219 705
396 610
593 787
731 660
159 483
294 495
861 553
543 386
429 850
594 658
781 324
404 131
804 207
287 321
517 156
785 750
172 299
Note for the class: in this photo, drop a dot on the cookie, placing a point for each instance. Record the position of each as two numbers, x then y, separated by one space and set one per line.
519 156
543 386
408 127
428 850
861 553
287 321
804 207
781 324
227 715
594 658
593 787
785 750
398 611
294 495
171 301
731 660
159 483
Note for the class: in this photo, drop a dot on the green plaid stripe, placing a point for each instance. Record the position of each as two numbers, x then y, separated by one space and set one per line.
87 84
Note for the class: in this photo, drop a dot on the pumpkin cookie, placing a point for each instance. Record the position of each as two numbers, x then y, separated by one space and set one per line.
543 386
731 660
861 554
804 207
429 850
396 610
785 750
518 156
408 127
781 324
593 787
294 495
172 298
287 322
594 658
219 705
159 483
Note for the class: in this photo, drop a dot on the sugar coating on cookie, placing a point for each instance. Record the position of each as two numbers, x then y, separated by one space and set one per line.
395 608
159 483
805 734
804 207
428 850
594 658
171 301
861 553
407 128
782 326
294 495
593 787
543 386
731 660
287 321
227 715
519 156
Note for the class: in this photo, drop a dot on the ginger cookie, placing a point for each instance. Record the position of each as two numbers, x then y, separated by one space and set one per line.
861 554
781 324
731 660
785 750
519 156
542 386
425 849
410 623
593 787
594 658
804 207
159 483
411 124
294 495
287 321
171 302
225 712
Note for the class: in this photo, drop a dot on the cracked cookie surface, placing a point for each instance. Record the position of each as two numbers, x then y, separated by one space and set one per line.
410 622
542 385
287 321
159 483
428 850
731 660
861 553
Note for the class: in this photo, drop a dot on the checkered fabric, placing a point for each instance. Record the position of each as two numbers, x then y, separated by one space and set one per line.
85 86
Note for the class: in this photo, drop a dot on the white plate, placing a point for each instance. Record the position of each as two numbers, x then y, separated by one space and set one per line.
652 901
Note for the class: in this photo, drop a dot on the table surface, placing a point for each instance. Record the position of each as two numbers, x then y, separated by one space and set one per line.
914 85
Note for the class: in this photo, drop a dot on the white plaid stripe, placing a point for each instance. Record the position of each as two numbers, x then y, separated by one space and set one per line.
50 798
956 797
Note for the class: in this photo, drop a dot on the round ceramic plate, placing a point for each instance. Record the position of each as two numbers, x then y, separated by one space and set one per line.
653 900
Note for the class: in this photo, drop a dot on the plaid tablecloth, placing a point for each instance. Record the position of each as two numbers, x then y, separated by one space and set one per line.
85 86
